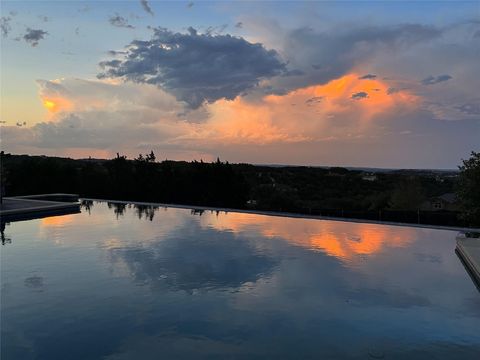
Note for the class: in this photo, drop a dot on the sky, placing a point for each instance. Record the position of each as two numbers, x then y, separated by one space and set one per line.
390 84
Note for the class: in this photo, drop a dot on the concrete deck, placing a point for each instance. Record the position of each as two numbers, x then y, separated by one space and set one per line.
19 208
468 249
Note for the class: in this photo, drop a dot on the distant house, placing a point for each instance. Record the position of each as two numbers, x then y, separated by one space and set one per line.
252 202
447 201
369 177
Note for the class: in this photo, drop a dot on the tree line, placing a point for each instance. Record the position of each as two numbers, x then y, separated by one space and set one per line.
312 190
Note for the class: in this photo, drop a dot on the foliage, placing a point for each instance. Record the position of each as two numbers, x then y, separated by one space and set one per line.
468 189
407 195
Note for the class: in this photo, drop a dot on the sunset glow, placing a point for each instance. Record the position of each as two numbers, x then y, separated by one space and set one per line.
314 90
50 105
58 104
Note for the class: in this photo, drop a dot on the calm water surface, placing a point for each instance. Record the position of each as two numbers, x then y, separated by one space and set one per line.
129 282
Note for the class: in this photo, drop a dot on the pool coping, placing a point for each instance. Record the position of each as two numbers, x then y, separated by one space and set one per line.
468 250
287 214
28 207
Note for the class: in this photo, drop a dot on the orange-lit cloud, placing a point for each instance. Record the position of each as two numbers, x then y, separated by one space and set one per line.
131 116
307 114
343 240
57 104
313 113
336 97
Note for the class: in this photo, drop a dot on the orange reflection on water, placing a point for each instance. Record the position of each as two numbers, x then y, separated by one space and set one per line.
56 220
344 240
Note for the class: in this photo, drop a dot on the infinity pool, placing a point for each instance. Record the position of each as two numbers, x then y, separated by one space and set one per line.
135 282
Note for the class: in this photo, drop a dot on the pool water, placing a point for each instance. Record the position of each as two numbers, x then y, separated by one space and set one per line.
136 282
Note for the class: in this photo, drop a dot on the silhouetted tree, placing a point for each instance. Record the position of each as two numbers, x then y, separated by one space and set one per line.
468 189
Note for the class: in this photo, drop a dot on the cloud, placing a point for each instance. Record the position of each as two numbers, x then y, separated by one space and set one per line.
239 25
78 95
5 27
196 68
432 80
359 95
368 77
33 36
146 7
100 118
120 21
392 90
470 108
326 55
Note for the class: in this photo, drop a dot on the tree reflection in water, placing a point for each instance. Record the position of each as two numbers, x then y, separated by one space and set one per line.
87 205
5 239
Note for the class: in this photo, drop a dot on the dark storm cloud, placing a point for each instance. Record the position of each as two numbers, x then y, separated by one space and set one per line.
294 72
368 77
33 36
146 7
196 68
325 56
432 80
120 21
5 25
359 95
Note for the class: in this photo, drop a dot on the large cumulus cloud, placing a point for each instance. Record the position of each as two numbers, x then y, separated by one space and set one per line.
195 68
